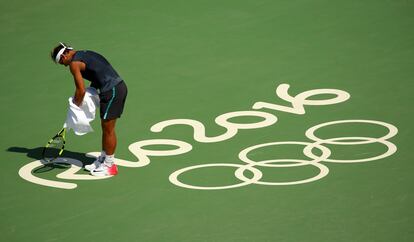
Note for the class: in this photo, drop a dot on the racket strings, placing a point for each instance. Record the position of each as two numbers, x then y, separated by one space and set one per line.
54 148
57 142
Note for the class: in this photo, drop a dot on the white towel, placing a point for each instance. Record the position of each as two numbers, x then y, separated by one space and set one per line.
79 118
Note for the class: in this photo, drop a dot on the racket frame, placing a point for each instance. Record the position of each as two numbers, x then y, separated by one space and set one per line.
61 133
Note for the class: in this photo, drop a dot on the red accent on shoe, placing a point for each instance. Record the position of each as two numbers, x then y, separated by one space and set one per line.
113 170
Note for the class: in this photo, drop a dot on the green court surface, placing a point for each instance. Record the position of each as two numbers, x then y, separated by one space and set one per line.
249 177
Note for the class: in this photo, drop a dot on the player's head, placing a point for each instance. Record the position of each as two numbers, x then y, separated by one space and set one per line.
60 54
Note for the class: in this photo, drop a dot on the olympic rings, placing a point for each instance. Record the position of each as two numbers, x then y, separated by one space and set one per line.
314 159
325 154
310 133
257 174
323 172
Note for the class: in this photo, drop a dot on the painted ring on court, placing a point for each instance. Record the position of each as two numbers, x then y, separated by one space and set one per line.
310 133
257 174
325 154
392 148
324 170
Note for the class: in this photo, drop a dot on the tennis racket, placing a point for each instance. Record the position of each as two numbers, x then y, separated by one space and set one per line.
54 148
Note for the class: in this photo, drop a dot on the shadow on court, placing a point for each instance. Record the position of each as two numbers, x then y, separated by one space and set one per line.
36 153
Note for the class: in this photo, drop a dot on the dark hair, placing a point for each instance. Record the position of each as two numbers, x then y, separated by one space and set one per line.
56 50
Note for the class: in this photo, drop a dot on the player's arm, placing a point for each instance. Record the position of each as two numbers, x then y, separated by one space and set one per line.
75 69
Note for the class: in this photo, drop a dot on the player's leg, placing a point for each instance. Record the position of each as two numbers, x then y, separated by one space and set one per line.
108 136
109 141
112 105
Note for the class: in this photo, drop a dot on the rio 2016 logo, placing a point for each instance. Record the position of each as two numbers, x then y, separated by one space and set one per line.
298 103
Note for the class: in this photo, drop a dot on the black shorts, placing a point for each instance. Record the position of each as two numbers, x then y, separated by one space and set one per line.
112 102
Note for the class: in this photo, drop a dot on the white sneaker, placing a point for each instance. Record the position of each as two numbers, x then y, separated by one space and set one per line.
104 170
95 164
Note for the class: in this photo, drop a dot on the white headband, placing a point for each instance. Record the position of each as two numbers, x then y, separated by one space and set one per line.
61 51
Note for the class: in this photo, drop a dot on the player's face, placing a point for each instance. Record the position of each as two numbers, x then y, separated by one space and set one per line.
64 60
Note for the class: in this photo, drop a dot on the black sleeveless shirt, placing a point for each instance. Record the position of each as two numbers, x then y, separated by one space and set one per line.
98 70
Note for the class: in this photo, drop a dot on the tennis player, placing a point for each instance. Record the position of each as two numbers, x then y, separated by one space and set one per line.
86 64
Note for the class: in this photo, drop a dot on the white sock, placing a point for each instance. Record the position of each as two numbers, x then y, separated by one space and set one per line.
109 160
103 154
